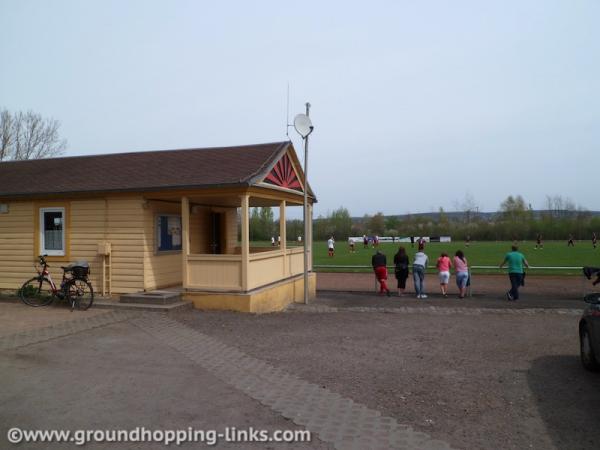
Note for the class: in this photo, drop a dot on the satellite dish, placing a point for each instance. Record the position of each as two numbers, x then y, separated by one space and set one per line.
303 125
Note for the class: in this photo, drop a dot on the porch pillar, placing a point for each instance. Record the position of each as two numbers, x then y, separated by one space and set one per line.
282 235
245 250
185 239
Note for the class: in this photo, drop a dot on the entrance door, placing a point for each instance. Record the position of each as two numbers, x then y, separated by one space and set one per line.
216 233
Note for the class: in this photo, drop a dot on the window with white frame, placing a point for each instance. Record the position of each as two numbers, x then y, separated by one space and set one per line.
168 233
52 231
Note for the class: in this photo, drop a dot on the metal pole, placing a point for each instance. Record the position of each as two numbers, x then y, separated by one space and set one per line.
306 218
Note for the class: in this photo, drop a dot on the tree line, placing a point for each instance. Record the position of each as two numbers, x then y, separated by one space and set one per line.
263 226
514 220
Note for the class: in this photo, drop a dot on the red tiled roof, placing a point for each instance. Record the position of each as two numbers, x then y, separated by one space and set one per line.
140 171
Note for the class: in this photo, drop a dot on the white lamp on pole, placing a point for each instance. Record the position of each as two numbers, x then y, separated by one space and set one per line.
304 127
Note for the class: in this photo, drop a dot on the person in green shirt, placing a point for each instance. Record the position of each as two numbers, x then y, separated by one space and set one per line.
516 262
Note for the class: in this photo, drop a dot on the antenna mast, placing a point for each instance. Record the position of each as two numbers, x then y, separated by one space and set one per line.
287 117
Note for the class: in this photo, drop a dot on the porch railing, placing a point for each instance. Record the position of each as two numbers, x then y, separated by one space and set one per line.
224 272
215 272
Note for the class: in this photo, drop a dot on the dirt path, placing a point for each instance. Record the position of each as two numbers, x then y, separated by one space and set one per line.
567 287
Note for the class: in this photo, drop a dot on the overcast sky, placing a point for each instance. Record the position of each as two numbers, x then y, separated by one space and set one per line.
415 104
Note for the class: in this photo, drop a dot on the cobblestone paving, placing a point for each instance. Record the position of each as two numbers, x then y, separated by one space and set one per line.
61 329
437 310
333 418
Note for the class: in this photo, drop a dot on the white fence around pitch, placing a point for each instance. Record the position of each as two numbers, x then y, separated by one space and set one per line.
393 239
471 268
331 266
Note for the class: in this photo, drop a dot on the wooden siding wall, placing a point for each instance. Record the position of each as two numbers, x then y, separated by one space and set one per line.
89 225
128 223
16 245
118 220
199 229
125 232
160 269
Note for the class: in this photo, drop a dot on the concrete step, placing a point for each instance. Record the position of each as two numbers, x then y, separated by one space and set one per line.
108 304
152 298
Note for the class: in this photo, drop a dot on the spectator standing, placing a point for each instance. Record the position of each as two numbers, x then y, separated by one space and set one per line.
443 266
365 241
379 263
461 268
594 239
516 262
331 246
412 241
272 241
419 266
401 269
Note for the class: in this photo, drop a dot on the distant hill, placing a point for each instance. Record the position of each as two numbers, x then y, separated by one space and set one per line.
460 216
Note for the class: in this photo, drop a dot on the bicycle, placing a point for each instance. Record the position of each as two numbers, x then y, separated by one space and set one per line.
42 291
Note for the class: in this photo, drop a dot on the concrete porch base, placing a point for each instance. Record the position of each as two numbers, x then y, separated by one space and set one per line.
267 299
152 298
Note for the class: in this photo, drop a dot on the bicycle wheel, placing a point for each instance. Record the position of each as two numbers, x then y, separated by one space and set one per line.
80 294
36 292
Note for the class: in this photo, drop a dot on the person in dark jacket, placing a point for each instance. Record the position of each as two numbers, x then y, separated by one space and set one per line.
401 269
379 263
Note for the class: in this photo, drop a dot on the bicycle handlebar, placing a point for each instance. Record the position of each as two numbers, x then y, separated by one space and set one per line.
42 259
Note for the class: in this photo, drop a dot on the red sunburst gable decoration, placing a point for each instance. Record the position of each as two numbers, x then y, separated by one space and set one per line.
284 175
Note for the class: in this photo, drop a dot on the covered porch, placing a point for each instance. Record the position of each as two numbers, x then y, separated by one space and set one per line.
221 268
243 267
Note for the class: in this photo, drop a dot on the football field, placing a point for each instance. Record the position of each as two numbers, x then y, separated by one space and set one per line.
554 254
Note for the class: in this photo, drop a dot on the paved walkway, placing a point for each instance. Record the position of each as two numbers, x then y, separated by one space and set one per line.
92 354
117 377
333 418
16 317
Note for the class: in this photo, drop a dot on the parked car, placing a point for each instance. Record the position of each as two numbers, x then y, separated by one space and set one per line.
589 333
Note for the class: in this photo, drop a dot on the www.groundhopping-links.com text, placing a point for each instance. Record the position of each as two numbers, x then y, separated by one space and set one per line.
167 437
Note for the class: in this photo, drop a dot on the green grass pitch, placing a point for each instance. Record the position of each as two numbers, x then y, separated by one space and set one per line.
555 253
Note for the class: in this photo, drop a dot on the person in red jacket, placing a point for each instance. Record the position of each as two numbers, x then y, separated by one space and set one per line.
379 263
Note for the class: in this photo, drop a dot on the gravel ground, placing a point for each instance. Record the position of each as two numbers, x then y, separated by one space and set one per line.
490 381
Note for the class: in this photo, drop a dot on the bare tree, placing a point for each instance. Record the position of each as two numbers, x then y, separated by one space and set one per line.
6 134
29 136
559 206
468 206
